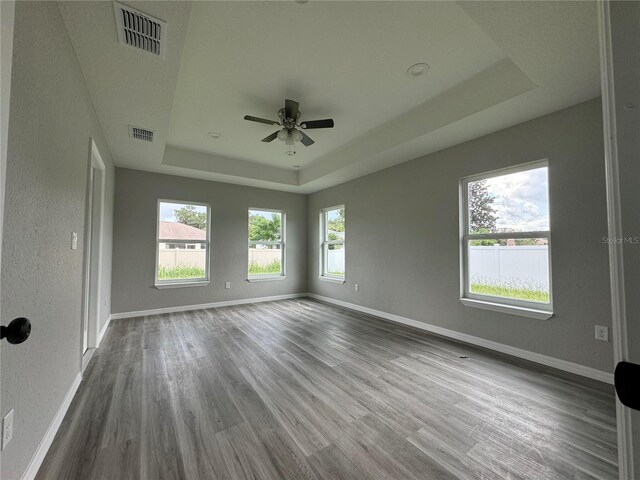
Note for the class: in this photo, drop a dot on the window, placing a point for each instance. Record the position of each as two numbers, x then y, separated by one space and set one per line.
266 244
182 227
332 227
506 239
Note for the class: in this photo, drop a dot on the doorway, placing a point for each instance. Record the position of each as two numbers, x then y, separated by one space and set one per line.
93 245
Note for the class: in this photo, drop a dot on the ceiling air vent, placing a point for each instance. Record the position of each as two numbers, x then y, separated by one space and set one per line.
140 30
141 133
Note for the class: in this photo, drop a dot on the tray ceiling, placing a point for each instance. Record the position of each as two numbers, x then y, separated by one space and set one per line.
492 65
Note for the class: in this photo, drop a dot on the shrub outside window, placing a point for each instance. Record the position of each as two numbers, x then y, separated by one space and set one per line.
182 243
266 243
506 238
333 235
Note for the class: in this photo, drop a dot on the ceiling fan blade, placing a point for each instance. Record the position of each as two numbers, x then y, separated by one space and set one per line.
327 123
261 120
271 137
291 109
306 141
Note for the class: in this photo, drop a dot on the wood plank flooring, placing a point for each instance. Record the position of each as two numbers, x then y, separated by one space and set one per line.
302 390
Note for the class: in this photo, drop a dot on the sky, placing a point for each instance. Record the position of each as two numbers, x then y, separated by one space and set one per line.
332 214
167 209
262 213
521 200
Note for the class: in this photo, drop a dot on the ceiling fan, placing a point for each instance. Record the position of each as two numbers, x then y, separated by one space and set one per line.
290 122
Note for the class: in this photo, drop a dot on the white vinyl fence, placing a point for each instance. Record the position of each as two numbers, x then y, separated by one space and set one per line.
174 257
264 256
504 265
335 260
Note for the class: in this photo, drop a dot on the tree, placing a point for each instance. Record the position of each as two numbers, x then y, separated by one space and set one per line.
263 229
482 214
189 216
337 224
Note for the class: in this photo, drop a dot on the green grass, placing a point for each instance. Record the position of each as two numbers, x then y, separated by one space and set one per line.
530 295
271 268
179 272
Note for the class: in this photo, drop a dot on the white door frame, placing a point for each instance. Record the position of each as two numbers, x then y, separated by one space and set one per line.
93 252
7 14
616 261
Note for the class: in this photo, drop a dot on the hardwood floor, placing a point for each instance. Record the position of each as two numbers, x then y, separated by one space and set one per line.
301 390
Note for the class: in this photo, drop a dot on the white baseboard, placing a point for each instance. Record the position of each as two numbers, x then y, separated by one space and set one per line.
47 440
203 306
480 342
103 331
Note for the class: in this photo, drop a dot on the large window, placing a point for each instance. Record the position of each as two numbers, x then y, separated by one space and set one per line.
332 227
182 243
506 239
266 243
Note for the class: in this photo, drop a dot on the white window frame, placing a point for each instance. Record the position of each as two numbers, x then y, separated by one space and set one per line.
324 246
263 277
191 282
537 310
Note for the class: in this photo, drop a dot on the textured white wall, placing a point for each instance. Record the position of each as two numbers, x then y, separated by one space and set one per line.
414 208
51 123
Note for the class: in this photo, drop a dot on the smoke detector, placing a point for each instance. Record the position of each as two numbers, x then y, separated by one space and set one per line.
141 133
139 30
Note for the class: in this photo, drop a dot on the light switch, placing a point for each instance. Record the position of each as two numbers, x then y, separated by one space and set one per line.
74 241
7 428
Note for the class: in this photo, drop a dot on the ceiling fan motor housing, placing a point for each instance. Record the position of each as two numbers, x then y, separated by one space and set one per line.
287 122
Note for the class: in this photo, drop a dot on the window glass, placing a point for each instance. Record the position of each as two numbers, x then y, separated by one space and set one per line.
512 202
266 243
333 242
507 245
182 242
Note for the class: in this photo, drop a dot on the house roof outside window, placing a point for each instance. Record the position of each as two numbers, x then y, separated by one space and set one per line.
180 231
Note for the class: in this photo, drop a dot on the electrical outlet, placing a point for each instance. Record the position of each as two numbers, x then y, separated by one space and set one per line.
357 287
227 285
602 333
7 428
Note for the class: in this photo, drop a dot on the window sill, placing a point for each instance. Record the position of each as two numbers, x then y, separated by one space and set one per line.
512 309
202 283
332 279
266 278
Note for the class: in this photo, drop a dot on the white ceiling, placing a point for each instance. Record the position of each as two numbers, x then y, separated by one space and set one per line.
493 65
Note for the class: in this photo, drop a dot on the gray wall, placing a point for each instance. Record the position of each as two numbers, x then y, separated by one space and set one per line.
135 218
51 122
412 210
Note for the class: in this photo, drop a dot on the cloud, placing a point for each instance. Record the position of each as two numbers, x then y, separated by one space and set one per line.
521 200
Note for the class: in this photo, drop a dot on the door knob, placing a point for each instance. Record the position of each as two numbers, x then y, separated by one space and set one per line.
627 383
17 331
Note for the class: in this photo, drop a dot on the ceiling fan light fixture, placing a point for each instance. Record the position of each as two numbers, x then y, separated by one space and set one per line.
283 134
289 140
